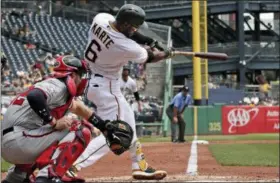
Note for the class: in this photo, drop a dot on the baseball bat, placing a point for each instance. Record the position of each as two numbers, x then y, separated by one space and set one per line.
208 55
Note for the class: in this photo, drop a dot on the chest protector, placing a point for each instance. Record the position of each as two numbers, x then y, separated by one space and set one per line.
60 111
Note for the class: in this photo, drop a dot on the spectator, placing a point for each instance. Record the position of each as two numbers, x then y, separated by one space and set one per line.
264 88
175 112
29 46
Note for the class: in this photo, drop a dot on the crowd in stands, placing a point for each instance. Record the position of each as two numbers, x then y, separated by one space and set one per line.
12 84
151 106
138 73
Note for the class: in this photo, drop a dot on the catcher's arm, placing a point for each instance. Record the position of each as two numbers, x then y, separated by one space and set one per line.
118 134
79 108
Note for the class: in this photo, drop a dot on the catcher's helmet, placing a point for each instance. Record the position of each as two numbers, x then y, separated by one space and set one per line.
131 14
68 64
65 65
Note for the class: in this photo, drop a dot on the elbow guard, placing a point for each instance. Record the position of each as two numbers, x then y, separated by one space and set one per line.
38 102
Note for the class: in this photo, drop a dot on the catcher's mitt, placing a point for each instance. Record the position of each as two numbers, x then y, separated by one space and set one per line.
119 136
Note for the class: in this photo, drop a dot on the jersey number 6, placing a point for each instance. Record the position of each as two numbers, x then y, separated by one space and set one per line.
91 50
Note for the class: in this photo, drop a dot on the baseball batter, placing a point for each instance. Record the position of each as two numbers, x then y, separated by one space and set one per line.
36 134
129 86
112 42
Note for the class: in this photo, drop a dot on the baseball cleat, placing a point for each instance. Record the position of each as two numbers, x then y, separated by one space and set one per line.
149 174
72 176
47 180
66 178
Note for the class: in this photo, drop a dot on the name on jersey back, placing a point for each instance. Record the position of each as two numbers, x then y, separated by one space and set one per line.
102 35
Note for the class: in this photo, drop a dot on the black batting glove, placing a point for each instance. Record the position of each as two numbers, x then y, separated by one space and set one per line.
157 45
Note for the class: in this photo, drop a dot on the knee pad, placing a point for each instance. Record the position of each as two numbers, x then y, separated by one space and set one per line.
70 151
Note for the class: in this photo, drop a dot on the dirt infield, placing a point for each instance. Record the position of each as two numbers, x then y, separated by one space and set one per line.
167 156
174 159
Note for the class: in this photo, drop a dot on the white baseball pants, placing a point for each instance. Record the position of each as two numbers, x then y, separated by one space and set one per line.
111 105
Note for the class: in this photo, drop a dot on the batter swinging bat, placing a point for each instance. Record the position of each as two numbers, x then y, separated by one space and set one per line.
208 55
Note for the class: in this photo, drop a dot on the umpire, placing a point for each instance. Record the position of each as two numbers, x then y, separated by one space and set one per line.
175 112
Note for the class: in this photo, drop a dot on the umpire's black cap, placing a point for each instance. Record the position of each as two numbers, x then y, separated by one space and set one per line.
185 88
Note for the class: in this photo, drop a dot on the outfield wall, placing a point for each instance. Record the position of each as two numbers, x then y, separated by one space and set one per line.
219 119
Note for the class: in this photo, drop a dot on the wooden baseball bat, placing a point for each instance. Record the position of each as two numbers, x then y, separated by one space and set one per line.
208 55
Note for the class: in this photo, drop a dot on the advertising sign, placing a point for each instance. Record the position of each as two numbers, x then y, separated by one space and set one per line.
246 119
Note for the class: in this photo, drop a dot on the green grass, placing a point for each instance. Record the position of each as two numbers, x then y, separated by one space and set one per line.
246 154
4 166
210 138
274 136
271 136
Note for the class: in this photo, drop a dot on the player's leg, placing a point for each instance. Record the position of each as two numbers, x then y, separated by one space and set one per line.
22 150
16 175
96 149
65 154
99 93
182 126
140 168
169 113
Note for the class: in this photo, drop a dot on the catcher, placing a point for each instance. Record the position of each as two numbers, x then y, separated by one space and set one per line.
37 134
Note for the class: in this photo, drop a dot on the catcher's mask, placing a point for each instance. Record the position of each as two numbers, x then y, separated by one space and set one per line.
65 65
119 136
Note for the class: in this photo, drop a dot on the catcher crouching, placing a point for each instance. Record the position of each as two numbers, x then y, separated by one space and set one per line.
38 135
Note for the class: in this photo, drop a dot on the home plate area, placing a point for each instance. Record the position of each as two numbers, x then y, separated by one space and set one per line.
182 178
174 159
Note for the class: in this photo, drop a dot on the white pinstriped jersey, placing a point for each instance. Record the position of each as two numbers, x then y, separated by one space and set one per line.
109 50
128 87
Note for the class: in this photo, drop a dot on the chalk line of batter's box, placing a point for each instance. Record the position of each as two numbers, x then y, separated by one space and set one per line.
192 164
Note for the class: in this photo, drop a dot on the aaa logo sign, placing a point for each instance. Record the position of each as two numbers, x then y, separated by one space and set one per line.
245 119
240 117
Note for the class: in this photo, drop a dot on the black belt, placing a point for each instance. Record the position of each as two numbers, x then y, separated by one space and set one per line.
7 130
98 75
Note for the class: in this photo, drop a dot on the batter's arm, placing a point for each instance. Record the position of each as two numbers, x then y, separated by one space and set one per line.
156 55
145 40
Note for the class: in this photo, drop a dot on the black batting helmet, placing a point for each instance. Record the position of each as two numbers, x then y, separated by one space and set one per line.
131 14
126 67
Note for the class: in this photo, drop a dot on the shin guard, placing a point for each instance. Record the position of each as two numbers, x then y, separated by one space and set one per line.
69 152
